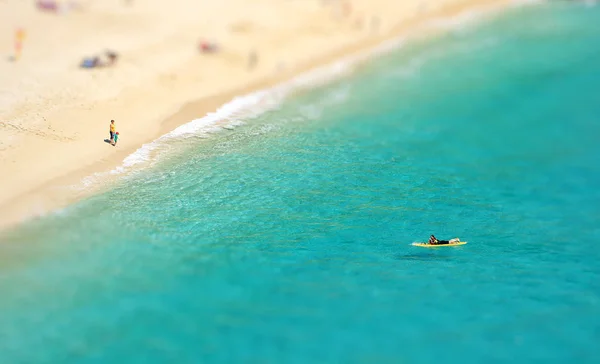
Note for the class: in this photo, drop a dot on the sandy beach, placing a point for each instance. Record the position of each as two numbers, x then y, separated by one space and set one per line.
54 115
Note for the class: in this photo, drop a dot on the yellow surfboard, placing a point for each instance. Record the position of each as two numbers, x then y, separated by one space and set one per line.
427 245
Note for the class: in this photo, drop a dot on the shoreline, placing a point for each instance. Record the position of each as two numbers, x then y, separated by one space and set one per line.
54 194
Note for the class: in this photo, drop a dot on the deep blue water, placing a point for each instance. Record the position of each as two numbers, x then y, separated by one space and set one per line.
288 238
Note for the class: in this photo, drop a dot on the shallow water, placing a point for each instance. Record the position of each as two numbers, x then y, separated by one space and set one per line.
287 239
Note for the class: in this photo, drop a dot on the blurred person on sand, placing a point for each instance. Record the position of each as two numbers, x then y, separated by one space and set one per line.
252 59
48 5
208 47
19 38
112 57
55 6
95 62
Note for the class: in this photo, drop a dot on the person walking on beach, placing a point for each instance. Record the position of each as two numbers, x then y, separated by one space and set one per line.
114 142
112 130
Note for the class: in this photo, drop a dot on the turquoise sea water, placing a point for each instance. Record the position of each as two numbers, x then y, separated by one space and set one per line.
287 238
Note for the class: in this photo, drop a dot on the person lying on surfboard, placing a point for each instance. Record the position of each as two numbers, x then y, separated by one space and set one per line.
434 241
